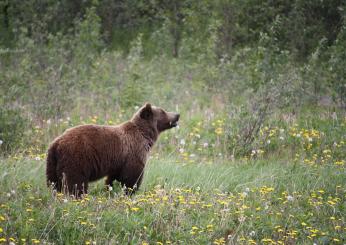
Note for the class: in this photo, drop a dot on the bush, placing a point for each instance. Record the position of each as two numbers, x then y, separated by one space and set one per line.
337 64
12 127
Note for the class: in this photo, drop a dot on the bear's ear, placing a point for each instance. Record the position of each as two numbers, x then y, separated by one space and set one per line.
146 112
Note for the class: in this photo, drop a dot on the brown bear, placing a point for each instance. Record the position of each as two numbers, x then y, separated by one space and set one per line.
89 152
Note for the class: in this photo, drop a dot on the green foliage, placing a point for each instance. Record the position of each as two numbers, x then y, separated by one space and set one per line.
12 129
133 94
240 22
337 63
88 38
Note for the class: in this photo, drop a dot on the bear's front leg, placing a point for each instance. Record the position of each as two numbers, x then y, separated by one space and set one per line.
109 181
132 179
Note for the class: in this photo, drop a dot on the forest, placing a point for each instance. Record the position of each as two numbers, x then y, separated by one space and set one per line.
259 156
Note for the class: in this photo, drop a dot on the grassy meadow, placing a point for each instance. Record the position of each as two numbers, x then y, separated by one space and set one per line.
259 156
290 190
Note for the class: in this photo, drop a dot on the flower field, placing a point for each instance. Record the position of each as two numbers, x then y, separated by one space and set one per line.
289 188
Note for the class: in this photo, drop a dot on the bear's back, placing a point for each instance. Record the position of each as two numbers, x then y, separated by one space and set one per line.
94 145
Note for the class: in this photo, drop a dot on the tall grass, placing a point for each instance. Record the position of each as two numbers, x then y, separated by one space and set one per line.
222 202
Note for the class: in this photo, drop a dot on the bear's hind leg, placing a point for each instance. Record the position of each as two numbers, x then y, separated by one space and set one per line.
76 185
78 189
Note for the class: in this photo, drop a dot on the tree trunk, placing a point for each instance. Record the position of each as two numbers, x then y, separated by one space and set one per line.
176 27
6 18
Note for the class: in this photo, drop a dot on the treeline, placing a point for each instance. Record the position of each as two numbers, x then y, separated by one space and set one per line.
297 26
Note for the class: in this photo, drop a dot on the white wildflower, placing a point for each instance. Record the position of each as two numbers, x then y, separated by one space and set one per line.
1 142
37 158
281 138
266 206
241 219
205 145
182 142
252 233
290 198
268 142
181 150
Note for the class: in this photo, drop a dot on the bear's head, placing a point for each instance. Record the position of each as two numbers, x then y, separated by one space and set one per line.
156 117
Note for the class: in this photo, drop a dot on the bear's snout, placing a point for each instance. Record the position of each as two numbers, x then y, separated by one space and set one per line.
174 121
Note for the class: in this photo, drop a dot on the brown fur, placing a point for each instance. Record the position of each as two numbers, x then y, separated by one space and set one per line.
89 152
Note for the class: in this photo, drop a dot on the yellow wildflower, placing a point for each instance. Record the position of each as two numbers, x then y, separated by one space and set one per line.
219 131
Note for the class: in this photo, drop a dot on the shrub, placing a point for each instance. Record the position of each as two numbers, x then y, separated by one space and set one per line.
12 126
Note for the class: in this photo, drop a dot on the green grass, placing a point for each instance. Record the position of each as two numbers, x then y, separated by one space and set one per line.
262 201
